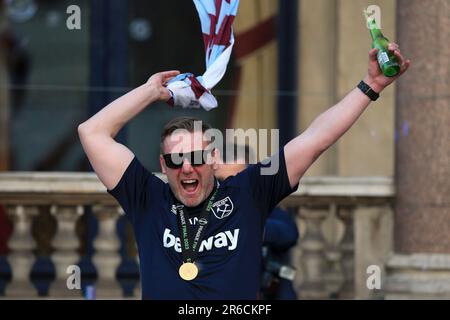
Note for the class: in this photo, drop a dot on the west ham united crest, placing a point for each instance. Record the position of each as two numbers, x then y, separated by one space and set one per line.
222 208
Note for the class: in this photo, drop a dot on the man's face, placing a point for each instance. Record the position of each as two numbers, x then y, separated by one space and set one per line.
191 184
224 170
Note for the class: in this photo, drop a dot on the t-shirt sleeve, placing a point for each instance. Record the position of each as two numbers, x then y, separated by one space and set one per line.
269 182
136 188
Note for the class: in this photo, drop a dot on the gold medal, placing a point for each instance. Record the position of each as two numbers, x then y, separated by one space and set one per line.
188 271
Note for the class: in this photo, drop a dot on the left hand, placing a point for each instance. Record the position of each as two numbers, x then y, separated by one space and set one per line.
375 77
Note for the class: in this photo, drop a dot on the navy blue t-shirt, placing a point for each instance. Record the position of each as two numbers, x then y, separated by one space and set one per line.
229 258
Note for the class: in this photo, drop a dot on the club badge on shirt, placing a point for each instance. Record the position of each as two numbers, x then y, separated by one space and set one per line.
223 208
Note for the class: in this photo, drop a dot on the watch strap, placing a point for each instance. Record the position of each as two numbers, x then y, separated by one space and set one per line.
368 91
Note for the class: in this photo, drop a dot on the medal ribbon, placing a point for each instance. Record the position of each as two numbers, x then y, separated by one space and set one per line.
190 240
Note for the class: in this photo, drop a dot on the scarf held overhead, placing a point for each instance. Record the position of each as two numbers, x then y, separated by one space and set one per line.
216 17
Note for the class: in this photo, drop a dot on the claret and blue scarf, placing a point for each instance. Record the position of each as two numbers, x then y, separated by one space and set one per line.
216 17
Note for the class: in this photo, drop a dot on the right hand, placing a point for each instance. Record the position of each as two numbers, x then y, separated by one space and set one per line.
375 78
158 81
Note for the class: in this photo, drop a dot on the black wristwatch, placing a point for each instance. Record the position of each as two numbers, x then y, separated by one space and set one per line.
368 91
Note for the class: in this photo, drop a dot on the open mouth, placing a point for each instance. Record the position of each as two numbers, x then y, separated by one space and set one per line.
189 185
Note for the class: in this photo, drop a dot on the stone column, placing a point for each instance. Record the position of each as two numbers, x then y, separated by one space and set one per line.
255 70
373 243
137 292
313 254
422 211
107 258
333 231
21 258
66 244
347 248
317 72
367 149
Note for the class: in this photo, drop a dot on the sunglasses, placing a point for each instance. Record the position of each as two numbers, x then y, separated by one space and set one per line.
195 158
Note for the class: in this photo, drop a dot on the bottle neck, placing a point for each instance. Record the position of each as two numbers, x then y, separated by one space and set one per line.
375 32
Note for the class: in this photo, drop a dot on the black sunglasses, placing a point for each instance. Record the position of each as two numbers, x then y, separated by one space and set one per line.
195 158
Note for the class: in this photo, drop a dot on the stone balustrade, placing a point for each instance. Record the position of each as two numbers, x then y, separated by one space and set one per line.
345 226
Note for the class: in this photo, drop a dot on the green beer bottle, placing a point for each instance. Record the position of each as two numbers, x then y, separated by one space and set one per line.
387 60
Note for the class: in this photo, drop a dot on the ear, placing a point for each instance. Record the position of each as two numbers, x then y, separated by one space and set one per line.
163 164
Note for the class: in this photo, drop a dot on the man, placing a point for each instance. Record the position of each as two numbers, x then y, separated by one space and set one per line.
280 232
221 261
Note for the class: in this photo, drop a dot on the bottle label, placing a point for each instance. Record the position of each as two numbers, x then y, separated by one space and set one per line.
382 57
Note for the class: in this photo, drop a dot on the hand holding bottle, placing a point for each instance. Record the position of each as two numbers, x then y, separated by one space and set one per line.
375 77
385 60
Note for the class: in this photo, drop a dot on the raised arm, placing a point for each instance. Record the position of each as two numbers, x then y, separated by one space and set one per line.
327 128
108 157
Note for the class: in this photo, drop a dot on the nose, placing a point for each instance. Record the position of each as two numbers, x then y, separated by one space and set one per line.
187 167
